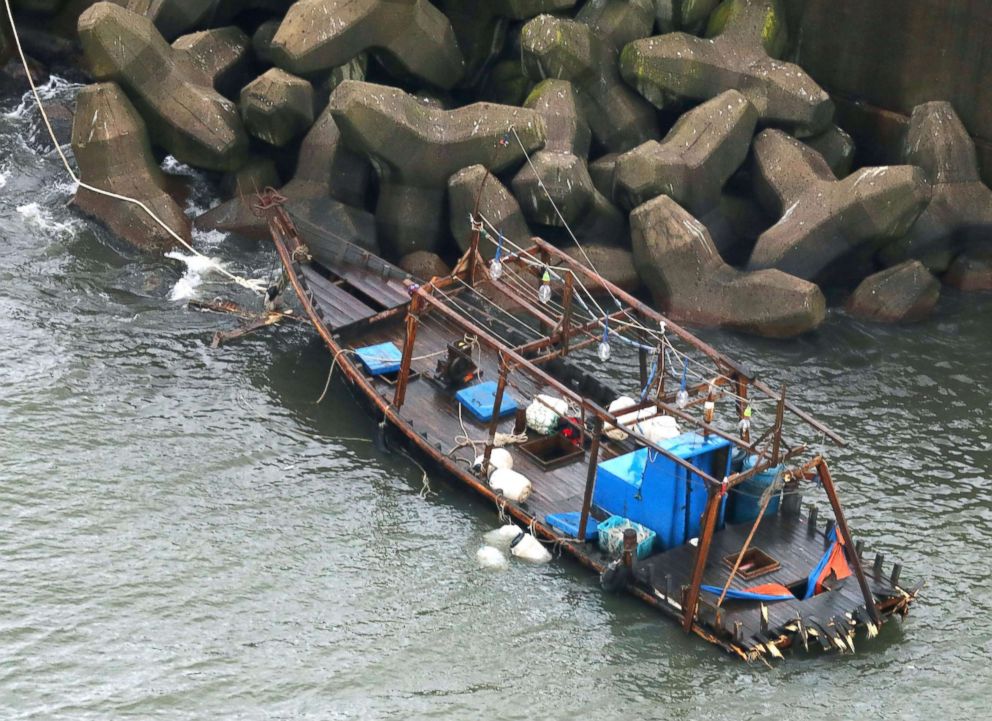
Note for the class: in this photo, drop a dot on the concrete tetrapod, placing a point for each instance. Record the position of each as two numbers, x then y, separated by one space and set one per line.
904 293
837 148
971 271
110 142
830 229
329 186
687 15
185 115
959 216
415 149
676 67
410 37
175 17
619 22
680 265
496 205
561 165
277 107
221 54
558 176
569 50
694 160
481 28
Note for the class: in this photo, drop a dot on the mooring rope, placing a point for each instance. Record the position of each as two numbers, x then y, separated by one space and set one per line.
257 286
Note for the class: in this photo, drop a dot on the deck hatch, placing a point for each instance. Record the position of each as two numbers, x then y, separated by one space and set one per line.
754 563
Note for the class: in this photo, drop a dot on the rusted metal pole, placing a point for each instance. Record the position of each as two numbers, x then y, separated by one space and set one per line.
566 316
629 547
539 374
702 555
576 331
504 372
779 418
845 532
642 360
597 432
662 371
411 335
801 414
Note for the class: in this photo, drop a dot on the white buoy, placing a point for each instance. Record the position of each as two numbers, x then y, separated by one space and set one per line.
491 557
499 458
502 537
544 412
658 429
528 548
514 486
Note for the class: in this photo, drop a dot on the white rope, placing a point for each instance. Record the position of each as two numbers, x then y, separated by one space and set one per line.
257 286
560 216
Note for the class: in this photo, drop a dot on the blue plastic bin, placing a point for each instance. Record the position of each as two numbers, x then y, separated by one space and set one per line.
654 491
568 523
745 498
644 546
480 399
380 359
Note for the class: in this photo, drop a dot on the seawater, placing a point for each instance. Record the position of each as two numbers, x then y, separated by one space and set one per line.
186 535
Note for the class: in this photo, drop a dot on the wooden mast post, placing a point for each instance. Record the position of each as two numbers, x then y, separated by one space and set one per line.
504 372
412 320
779 418
849 547
597 432
702 555
566 316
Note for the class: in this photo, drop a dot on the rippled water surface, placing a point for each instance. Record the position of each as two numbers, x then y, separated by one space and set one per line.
186 535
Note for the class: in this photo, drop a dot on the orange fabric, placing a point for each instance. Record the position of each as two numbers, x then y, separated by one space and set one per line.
837 564
770 589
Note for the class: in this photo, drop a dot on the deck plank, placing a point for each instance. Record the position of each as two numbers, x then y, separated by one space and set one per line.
341 309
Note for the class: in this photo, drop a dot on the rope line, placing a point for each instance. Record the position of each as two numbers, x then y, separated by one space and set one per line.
256 286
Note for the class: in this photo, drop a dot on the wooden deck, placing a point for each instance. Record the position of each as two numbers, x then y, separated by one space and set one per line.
356 300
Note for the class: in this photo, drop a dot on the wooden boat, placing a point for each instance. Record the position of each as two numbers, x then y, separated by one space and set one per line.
751 572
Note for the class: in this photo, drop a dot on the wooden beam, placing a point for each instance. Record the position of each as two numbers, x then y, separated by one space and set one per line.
411 336
486 339
566 315
645 309
504 373
849 547
702 555
597 432
779 418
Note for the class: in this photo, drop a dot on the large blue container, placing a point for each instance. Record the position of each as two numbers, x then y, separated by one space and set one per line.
653 490
745 498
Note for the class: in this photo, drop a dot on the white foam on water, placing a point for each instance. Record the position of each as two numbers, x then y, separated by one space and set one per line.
491 558
209 238
197 268
52 89
40 217
175 167
3 178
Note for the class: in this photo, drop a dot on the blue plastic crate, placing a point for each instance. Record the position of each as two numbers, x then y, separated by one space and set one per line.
568 523
645 535
480 399
380 359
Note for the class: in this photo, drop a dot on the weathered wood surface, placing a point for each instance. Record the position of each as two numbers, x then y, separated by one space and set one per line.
429 418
